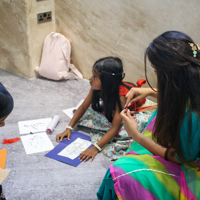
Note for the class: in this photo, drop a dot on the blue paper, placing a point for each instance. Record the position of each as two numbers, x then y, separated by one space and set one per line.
54 153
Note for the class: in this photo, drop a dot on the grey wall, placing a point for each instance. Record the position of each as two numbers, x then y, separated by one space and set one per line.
123 28
96 28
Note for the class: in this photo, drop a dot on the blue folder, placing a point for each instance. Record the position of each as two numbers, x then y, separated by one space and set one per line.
54 152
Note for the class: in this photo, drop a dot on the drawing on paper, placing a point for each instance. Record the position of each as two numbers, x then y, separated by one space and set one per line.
33 126
38 142
36 126
75 148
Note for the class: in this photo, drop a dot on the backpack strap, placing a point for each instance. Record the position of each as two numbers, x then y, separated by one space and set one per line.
140 83
128 86
75 70
64 50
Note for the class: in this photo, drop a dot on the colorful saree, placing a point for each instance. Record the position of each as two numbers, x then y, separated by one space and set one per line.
139 175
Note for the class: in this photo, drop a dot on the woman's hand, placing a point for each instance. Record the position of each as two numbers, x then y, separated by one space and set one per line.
61 136
130 124
89 153
136 94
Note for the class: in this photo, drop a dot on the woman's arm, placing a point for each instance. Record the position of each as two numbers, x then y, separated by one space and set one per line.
77 115
136 94
156 149
116 123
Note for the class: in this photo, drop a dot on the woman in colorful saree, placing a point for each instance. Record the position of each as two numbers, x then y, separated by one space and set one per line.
163 162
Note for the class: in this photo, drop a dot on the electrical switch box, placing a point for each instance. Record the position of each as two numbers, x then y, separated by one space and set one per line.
44 17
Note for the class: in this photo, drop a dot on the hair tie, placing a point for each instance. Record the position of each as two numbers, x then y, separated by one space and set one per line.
166 153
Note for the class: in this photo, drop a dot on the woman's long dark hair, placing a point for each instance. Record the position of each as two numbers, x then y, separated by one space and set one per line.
111 75
178 78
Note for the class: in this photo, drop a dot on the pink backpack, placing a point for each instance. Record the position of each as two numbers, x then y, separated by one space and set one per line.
55 63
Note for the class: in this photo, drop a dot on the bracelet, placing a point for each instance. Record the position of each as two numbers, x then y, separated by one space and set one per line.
166 154
69 127
97 146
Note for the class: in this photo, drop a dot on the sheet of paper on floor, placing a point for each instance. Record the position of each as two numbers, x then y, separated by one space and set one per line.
3 155
75 148
63 144
69 112
34 126
35 143
3 175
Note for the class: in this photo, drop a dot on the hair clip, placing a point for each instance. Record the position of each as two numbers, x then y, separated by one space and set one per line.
195 48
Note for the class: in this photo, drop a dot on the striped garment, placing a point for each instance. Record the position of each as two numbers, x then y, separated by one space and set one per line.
141 176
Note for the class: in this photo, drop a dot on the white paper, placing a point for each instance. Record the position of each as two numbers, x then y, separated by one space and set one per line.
74 149
34 126
37 142
69 112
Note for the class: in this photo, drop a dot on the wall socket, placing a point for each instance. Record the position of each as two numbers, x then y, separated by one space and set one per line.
44 17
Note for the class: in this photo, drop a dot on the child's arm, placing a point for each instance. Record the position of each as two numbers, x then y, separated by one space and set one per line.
77 115
156 149
116 123
123 101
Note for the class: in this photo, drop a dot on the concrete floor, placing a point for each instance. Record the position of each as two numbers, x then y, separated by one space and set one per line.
35 176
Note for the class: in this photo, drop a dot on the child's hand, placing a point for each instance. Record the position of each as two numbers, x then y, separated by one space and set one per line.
89 153
66 133
130 124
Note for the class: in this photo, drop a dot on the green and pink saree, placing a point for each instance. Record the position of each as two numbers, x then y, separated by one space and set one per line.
139 175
